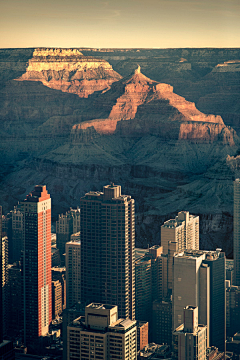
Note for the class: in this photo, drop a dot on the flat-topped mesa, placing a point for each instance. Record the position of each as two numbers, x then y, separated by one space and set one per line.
58 53
227 66
70 71
154 109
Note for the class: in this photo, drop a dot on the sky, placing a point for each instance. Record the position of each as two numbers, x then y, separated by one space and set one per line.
119 23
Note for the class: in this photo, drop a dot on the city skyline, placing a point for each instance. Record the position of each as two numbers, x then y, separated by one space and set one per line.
125 24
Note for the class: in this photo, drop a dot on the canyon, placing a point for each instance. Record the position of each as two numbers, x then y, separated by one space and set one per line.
163 123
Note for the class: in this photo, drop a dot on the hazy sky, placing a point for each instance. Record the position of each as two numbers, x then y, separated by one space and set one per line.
120 23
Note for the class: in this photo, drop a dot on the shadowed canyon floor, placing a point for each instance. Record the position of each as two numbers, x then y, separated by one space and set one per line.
76 122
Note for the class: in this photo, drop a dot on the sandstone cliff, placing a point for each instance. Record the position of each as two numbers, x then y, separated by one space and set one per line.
69 71
154 153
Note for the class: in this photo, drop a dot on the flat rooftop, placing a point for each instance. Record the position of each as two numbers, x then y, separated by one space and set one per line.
100 306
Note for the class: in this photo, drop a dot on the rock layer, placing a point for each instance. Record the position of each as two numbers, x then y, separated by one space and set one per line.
165 172
69 71
153 108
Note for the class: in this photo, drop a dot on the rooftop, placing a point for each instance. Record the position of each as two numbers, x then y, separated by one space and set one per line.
39 193
100 306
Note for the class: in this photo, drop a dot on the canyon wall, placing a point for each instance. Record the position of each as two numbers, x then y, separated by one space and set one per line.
76 119
69 71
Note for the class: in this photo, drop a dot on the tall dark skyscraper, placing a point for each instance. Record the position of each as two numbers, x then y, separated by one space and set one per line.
1 302
236 231
37 287
108 249
6 346
216 263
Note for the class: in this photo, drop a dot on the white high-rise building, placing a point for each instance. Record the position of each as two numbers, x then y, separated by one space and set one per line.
191 285
199 280
236 231
184 230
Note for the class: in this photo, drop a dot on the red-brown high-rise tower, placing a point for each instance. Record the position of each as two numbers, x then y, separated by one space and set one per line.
37 286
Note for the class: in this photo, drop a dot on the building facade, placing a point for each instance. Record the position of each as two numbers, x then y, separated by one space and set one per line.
5 292
162 322
56 299
184 230
37 286
108 249
142 334
6 346
102 335
199 279
59 273
143 288
232 309
236 231
1 273
67 225
215 260
13 227
15 305
190 338
73 272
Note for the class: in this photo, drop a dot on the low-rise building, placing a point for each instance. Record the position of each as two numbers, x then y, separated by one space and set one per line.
190 338
101 335
142 334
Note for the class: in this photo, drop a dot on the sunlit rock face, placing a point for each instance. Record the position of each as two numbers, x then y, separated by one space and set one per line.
135 131
152 108
69 71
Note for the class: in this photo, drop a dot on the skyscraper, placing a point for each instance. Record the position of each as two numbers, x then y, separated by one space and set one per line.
37 287
108 249
67 225
236 231
13 222
199 280
1 272
191 285
6 346
15 311
215 260
73 272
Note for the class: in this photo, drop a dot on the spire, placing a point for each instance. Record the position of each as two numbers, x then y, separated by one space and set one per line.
138 70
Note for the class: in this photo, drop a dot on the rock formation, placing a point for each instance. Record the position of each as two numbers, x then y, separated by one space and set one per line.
69 71
163 151
155 109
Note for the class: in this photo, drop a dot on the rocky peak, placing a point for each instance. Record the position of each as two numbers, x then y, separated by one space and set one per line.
153 108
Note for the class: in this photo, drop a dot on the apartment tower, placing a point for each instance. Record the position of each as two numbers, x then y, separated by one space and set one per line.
108 249
37 286
184 230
